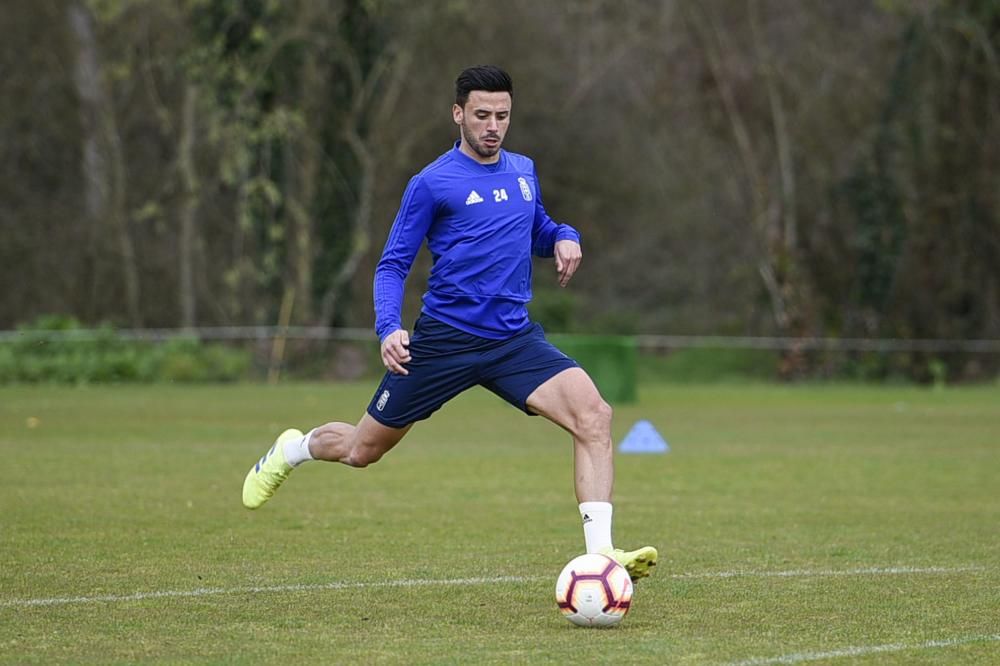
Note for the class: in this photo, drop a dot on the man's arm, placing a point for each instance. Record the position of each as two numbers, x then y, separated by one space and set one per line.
416 212
549 238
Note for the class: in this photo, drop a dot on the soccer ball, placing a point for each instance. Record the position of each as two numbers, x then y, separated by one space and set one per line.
594 591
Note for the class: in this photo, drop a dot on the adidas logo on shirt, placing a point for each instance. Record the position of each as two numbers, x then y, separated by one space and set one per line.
473 198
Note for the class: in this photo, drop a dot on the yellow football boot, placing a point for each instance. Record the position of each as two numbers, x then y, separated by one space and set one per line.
270 472
636 562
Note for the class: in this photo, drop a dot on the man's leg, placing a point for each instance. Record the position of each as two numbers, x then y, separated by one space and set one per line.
356 446
443 363
571 400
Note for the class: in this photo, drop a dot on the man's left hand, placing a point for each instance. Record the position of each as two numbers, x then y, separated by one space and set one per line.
568 257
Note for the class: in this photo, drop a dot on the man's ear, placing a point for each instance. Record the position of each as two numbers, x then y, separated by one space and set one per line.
457 114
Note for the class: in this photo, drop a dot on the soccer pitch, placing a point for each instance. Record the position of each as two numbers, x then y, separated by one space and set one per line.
812 524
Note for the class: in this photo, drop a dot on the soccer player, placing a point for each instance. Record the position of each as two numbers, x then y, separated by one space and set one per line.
480 211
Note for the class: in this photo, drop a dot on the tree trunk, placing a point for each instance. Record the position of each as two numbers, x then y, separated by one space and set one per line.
394 65
187 243
360 228
303 157
103 156
713 38
787 228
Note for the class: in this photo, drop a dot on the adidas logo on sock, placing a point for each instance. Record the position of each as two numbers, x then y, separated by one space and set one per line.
473 198
586 519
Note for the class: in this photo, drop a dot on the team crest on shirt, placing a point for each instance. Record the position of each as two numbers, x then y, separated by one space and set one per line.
525 190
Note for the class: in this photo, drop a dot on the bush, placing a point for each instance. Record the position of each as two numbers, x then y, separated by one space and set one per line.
189 360
57 349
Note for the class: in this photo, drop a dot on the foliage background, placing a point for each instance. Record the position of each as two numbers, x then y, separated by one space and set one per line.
753 168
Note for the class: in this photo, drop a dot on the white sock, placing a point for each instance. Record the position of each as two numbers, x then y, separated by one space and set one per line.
596 525
297 450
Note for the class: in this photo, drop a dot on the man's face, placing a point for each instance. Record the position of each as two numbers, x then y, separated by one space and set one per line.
484 121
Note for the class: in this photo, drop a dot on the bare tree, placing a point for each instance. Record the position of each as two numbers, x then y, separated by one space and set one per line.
103 155
374 98
187 245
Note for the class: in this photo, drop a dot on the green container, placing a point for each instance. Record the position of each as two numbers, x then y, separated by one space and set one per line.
610 360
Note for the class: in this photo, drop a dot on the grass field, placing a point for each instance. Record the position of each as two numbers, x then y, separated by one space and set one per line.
824 524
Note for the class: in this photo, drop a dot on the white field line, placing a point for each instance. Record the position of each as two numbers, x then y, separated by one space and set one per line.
864 650
419 582
305 587
811 573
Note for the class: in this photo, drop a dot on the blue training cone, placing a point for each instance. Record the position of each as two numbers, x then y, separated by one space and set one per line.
643 438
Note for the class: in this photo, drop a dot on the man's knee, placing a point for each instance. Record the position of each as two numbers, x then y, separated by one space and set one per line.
595 422
372 440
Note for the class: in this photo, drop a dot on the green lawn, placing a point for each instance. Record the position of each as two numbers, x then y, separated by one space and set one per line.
796 524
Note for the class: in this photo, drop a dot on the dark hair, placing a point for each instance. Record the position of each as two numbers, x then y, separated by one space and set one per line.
482 77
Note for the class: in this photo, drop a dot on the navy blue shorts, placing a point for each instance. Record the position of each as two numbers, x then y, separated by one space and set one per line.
445 361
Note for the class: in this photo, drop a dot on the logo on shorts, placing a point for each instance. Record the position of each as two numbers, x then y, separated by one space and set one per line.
525 190
382 399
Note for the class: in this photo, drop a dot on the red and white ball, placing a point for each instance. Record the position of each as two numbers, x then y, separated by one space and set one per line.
594 591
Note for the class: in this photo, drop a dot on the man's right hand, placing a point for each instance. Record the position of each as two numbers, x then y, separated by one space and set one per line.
395 351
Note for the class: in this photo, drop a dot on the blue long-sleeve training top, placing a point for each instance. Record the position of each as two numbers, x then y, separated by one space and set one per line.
482 223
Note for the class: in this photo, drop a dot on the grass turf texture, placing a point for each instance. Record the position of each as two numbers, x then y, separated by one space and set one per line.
768 492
